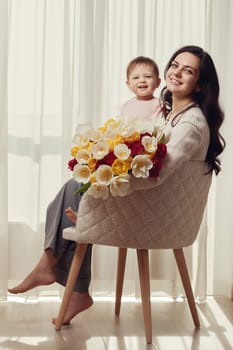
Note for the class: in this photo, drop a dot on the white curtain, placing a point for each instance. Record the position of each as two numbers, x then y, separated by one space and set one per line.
220 35
3 151
66 65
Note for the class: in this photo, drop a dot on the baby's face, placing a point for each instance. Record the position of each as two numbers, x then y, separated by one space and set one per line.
142 81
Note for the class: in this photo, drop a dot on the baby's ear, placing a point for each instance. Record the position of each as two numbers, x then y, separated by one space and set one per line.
127 83
158 82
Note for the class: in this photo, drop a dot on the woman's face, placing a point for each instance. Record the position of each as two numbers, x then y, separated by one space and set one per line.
183 75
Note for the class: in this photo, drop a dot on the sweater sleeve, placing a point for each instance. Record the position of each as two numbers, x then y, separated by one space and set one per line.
188 140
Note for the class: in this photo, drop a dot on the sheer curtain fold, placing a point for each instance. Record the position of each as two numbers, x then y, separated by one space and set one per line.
220 37
67 62
3 149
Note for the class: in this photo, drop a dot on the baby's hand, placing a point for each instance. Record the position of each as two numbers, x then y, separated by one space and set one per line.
71 214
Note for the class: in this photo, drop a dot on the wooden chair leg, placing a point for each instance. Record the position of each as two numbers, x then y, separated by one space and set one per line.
180 260
77 260
122 253
144 275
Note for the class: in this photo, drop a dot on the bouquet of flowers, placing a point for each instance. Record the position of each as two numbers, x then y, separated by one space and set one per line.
105 159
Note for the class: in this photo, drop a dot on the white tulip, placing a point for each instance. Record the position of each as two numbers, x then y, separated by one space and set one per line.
83 129
104 175
141 165
81 141
82 173
149 143
98 191
83 155
100 149
122 151
120 185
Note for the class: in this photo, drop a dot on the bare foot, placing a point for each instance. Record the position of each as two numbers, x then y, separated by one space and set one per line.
71 214
79 302
42 274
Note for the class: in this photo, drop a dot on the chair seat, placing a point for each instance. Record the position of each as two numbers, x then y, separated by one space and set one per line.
163 217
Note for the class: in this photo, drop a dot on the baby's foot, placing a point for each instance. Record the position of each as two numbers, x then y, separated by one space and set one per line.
79 302
71 214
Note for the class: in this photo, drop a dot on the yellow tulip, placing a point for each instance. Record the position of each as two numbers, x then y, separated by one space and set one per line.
92 164
120 166
134 137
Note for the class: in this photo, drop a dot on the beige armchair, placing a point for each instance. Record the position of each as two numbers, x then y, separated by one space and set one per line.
163 217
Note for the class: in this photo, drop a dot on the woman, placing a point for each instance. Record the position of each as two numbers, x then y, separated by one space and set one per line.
192 111
193 119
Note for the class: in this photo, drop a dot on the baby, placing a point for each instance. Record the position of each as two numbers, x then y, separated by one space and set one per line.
142 76
142 79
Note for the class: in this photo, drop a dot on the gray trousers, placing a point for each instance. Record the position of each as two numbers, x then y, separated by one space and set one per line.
56 221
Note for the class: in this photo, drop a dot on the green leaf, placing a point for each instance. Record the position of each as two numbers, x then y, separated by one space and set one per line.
162 139
83 188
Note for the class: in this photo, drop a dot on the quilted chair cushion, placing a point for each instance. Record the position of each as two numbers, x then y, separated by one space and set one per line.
162 217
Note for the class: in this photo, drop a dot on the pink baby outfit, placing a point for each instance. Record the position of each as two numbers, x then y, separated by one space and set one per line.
134 109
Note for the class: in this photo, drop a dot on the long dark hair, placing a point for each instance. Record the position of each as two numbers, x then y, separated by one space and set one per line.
208 100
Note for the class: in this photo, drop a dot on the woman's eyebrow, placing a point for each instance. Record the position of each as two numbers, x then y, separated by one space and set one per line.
185 65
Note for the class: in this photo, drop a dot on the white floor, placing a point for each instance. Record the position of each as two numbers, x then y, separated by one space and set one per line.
26 325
